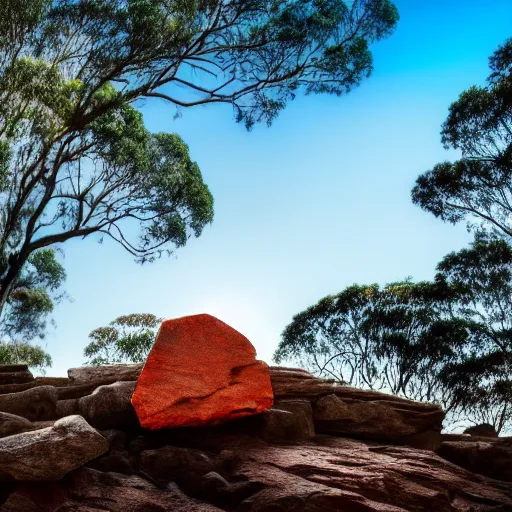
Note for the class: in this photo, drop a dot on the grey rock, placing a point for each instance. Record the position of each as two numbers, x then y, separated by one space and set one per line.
50 453
109 406
105 373
35 404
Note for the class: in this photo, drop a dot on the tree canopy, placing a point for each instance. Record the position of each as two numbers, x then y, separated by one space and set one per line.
392 338
75 156
32 297
21 352
478 187
447 341
481 377
127 339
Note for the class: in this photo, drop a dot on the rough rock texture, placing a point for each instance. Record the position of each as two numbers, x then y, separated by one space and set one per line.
11 424
344 410
489 457
105 373
288 422
109 406
36 404
206 373
50 453
87 490
271 462
15 374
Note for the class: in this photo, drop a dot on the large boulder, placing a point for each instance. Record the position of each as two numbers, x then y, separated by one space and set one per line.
50 453
200 371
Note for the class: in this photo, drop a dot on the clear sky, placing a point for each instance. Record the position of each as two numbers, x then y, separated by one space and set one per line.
317 202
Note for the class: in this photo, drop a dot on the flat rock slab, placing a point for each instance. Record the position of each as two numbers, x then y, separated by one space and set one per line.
15 374
50 453
347 411
200 371
105 373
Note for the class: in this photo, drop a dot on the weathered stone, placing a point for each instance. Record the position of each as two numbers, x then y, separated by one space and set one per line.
88 490
492 459
104 374
37 382
36 404
303 414
15 374
289 422
427 440
171 463
11 424
482 430
200 372
379 420
50 453
67 407
109 406
333 474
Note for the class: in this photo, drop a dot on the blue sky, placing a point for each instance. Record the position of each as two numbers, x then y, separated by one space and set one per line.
317 202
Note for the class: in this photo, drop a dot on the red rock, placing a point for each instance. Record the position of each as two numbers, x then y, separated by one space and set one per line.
200 371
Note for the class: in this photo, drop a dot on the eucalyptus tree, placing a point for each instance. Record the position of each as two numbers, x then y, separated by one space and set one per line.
481 376
476 188
127 339
75 156
394 338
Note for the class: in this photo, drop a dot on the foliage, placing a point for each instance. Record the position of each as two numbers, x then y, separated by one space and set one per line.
75 156
127 339
447 341
20 352
392 339
32 297
481 379
478 187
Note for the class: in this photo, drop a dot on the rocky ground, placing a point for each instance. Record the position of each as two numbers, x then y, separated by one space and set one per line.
76 444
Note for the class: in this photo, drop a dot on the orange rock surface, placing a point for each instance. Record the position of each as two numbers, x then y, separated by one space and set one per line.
200 371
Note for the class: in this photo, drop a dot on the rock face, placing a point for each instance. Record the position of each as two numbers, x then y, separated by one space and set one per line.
50 453
87 490
321 448
489 457
344 410
35 404
205 372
